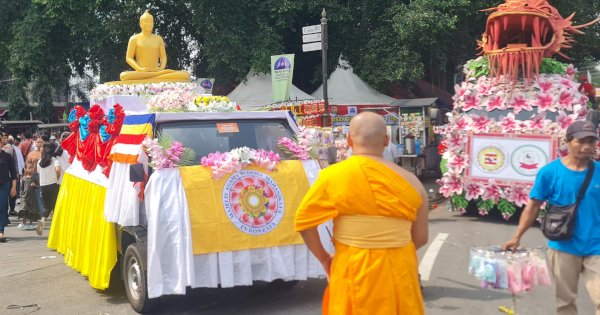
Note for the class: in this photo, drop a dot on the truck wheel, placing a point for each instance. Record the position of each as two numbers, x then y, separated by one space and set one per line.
136 285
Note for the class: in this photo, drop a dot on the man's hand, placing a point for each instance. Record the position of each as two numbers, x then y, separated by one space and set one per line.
326 263
512 244
13 191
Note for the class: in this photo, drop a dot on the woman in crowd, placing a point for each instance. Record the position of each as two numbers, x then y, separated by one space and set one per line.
48 169
8 186
33 158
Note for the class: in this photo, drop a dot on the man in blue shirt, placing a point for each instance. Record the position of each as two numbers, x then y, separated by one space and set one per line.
559 183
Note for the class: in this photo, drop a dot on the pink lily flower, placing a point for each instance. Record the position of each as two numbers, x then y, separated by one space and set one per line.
471 102
564 120
458 163
520 103
544 102
494 102
508 123
481 123
473 191
566 100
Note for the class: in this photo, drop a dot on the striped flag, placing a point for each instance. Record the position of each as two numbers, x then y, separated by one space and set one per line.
127 145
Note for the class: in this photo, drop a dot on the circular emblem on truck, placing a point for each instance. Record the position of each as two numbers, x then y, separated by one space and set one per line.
253 202
491 159
527 160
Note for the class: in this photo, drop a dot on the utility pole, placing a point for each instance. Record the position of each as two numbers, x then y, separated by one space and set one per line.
324 65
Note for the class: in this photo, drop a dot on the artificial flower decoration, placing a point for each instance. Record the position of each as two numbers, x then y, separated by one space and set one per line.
164 152
236 159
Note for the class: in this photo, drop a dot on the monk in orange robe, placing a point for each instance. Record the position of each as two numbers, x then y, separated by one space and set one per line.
379 212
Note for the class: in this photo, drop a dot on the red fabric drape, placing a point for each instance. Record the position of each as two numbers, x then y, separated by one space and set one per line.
113 130
70 143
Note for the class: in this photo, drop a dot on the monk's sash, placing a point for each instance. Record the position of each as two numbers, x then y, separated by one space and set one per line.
369 231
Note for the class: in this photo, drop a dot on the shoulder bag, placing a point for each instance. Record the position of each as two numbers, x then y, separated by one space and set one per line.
559 221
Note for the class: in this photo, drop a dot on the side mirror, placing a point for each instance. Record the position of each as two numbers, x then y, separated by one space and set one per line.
136 173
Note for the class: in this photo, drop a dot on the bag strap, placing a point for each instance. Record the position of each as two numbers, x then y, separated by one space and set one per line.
586 182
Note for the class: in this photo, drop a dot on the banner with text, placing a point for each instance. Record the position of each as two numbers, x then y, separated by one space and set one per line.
282 72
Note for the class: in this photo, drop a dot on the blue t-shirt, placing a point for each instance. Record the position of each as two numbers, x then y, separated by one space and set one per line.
559 185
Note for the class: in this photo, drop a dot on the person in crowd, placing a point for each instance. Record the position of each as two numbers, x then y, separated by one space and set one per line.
8 187
559 183
49 171
28 209
380 215
27 144
33 158
20 163
62 156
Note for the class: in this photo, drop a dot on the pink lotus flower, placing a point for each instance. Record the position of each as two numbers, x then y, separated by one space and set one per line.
566 100
537 122
473 191
543 102
494 102
518 195
491 191
480 124
564 120
520 103
458 163
444 188
471 102
545 86
508 123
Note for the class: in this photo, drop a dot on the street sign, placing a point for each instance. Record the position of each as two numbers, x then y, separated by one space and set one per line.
311 29
311 38
312 46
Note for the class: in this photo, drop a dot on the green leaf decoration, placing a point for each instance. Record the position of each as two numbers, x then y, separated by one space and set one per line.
444 165
188 156
479 67
506 206
552 66
485 204
459 201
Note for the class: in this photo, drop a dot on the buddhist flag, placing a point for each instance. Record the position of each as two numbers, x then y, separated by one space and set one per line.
251 208
127 146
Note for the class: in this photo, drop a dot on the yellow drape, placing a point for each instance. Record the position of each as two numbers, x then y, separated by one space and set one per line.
369 281
213 231
80 232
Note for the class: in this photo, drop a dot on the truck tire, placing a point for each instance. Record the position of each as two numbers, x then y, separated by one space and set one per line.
136 285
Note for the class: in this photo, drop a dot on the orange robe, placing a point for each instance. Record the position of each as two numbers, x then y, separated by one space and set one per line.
366 280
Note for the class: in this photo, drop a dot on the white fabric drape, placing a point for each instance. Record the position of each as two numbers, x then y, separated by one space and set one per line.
172 266
122 205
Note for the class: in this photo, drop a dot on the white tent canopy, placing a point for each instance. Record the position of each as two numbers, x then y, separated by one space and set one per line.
346 88
257 91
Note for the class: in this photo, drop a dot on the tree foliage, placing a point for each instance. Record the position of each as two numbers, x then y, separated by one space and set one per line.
386 41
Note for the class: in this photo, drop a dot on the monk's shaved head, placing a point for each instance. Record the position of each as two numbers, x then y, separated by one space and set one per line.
368 133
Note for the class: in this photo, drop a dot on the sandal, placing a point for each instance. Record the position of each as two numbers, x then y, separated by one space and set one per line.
40 228
3 239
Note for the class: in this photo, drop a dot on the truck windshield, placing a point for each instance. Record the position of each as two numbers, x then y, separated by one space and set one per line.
206 137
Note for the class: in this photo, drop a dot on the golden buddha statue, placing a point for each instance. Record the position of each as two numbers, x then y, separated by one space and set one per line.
146 54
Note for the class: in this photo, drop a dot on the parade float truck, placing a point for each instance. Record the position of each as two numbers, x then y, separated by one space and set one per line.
512 110
171 189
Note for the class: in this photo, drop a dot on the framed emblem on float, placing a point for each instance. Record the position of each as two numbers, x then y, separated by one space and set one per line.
508 158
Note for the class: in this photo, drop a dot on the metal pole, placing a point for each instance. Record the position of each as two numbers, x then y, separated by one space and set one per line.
324 65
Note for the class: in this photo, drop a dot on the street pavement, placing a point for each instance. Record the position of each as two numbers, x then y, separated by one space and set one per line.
34 280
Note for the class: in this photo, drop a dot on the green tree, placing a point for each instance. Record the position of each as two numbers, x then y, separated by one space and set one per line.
18 105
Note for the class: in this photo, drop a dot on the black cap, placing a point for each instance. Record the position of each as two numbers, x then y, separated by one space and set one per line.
582 129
